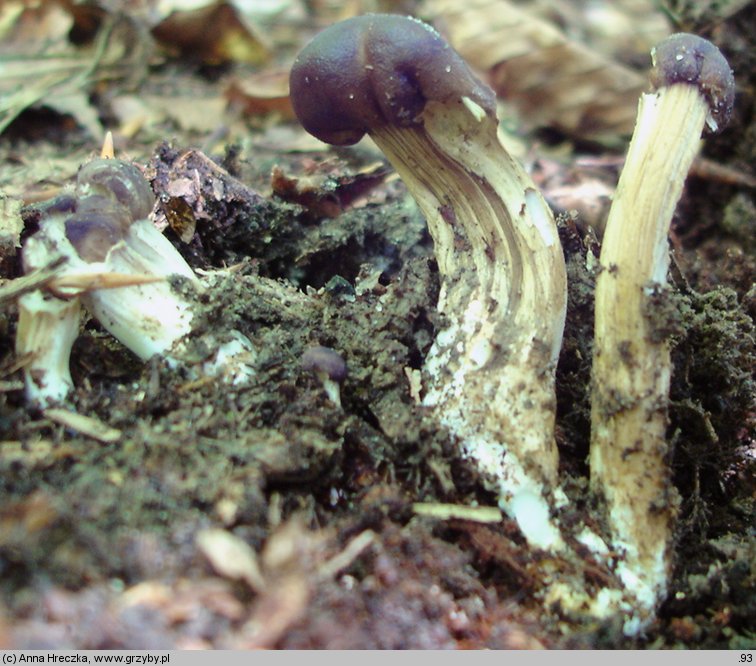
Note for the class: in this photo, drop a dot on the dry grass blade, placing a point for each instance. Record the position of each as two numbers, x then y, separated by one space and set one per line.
348 555
77 283
65 285
477 514
47 77
38 279
552 80
86 425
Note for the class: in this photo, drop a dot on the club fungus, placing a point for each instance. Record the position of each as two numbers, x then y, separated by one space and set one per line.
629 455
329 367
489 376
117 265
149 318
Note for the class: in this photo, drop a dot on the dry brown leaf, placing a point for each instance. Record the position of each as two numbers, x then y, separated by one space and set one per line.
327 192
232 38
33 513
261 94
186 112
325 12
622 30
29 28
39 66
552 80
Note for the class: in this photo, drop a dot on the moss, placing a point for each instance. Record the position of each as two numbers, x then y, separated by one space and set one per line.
714 360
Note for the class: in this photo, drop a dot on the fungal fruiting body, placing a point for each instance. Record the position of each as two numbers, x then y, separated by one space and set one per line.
629 454
489 376
329 367
115 263
147 318
47 329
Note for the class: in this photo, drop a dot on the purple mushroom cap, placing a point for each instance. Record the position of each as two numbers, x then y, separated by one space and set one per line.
325 361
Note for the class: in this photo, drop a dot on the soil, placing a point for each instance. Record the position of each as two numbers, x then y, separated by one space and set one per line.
114 544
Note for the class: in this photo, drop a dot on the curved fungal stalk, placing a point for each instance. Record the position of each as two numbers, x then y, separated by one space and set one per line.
631 365
489 376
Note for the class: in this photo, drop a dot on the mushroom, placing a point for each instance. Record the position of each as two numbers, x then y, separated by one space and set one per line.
108 233
489 376
150 318
123 271
629 455
329 367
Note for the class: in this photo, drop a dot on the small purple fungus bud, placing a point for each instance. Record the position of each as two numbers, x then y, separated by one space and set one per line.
329 367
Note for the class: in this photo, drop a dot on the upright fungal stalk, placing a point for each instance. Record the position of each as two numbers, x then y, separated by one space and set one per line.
629 455
47 329
489 376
